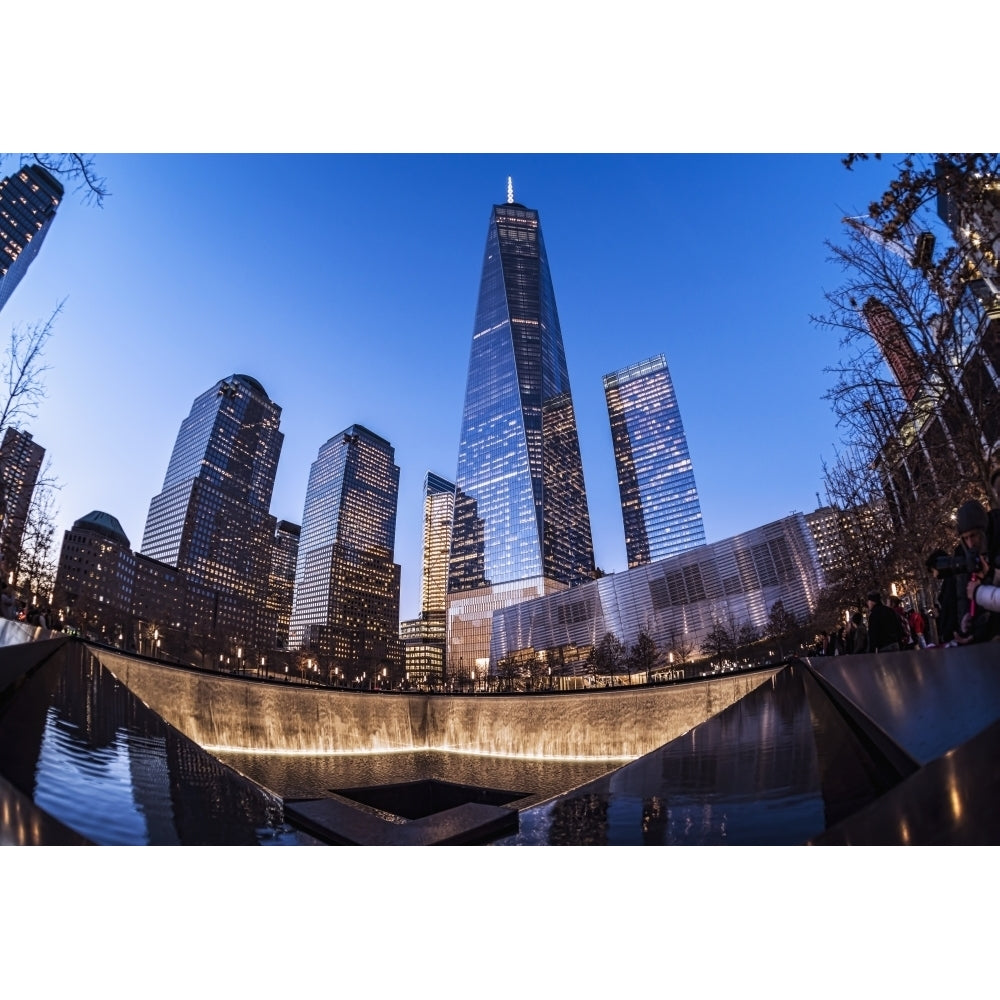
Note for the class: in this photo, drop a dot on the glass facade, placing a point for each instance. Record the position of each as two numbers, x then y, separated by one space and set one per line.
677 600
346 602
439 512
521 512
28 203
211 520
281 584
660 507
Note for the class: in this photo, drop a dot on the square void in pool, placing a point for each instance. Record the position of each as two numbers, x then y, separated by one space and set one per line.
411 813
417 799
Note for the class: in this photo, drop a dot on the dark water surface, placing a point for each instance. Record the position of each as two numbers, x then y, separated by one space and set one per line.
308 776
90 754
778 767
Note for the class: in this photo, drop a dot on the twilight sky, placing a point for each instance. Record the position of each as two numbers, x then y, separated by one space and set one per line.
347 285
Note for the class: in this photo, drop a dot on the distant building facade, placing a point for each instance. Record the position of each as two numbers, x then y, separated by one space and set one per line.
95 579
20 463
661 511
281 582
677 600
28 202
521 526
439 514
424 638
211 521
346 603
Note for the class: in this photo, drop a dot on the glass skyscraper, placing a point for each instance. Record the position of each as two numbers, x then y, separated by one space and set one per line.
424 637
521 528
660 507
346 603
212 518
28 203
439 513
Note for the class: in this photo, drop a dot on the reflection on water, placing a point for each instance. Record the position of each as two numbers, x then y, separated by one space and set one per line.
777 767
303 777
90 754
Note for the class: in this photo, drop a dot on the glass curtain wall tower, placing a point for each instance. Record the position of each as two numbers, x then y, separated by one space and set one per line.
439 512
521 527
346 603
660 507
211 520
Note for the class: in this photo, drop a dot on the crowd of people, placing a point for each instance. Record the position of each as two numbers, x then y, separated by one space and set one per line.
15 610
966 607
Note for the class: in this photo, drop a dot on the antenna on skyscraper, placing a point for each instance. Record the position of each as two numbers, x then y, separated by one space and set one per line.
510 190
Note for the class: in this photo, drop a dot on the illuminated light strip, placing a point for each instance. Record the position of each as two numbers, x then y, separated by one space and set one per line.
212 748
510 191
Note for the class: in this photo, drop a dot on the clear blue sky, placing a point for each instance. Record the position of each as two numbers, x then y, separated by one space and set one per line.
347 285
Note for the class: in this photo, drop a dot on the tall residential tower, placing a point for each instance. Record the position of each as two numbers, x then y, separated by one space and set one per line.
521 528
660 507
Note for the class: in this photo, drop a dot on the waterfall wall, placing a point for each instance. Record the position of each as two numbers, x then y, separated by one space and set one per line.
222 712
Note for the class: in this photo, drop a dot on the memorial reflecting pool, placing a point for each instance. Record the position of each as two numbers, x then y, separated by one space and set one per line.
896 749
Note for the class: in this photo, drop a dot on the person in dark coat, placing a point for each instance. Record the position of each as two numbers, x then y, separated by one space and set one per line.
979 532
944 612
884 630
859 641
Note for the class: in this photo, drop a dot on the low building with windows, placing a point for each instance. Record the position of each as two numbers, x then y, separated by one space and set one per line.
95 580
677 600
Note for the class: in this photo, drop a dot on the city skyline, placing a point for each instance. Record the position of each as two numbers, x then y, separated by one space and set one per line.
356 317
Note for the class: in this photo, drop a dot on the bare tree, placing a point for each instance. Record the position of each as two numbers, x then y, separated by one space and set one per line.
607 658
35 566
781 626
916 316
718 642
21 369
75 170
642 655
915 390
681 647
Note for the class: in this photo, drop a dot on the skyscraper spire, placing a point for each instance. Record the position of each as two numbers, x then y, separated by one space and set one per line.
521 526
510 190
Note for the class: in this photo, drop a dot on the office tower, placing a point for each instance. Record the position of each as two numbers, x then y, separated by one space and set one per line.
424 637
20 463
95 580
281 582
28 203
521 526
660 507
439 512
346 603
211 520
